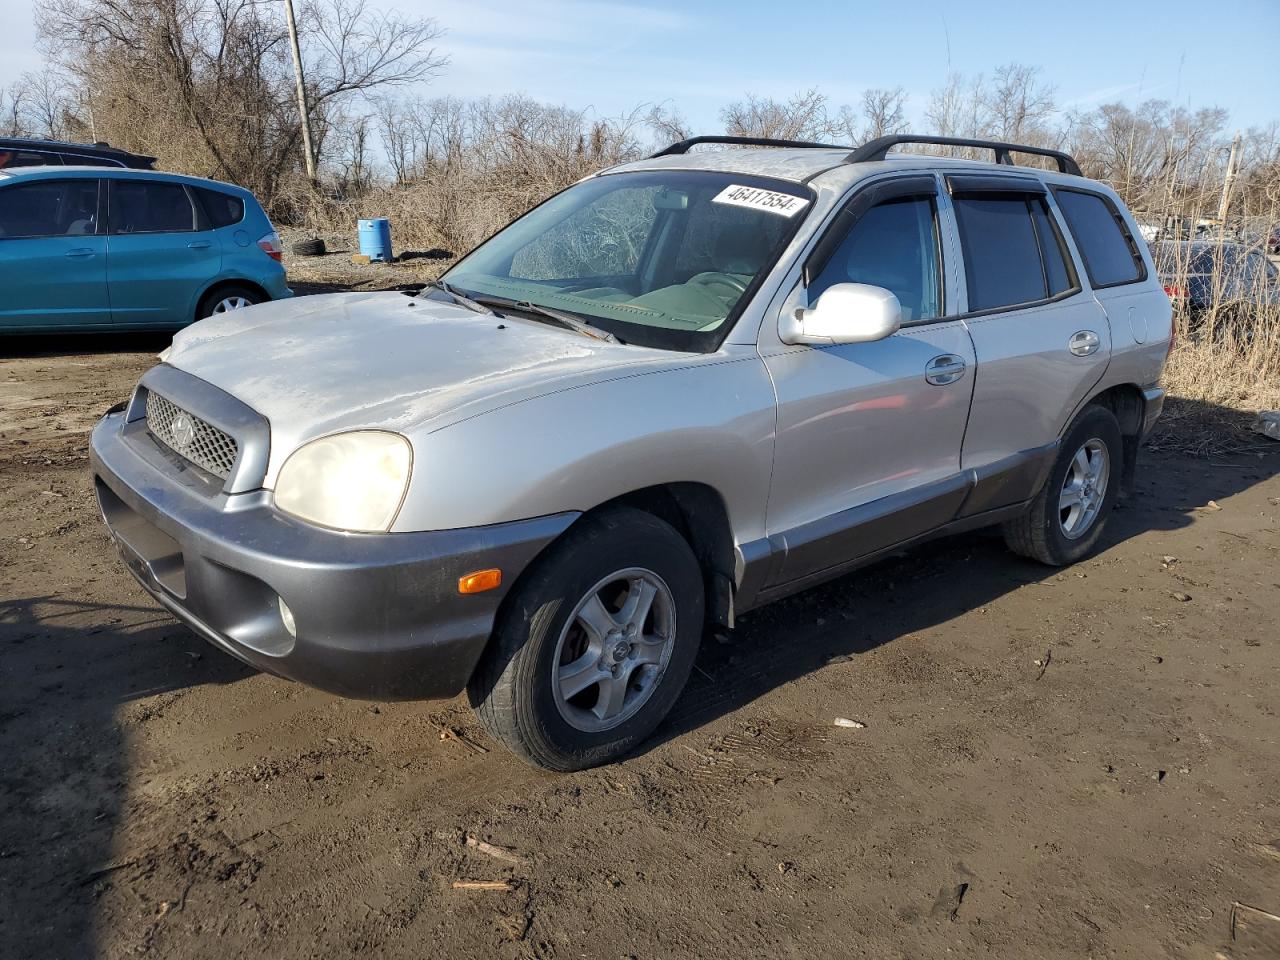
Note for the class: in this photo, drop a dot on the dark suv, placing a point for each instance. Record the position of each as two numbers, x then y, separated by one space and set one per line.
28 152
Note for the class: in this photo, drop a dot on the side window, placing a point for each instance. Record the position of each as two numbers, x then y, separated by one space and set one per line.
603 239
27 158
149 206
1110 255
49 208
893 245
1059 274
1002 259
222 209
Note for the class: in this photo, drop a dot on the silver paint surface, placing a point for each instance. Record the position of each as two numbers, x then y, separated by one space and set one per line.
531 420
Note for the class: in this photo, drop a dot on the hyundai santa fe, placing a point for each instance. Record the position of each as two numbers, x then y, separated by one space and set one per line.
682 388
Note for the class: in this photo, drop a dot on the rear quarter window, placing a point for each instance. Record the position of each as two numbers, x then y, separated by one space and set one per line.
1110 255
222 209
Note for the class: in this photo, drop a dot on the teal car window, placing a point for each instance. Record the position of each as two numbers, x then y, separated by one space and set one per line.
49 208
142 206
222 209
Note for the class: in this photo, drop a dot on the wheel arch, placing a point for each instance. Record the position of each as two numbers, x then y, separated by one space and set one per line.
1128 404
227 283
699 514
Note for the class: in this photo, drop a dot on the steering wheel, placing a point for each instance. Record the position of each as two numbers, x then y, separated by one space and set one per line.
713 280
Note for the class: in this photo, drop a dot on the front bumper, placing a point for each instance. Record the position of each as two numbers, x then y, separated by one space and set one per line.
378 616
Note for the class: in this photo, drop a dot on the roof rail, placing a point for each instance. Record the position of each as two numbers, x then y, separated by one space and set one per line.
878 148
682 146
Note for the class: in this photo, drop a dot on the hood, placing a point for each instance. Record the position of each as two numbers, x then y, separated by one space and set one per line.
316 365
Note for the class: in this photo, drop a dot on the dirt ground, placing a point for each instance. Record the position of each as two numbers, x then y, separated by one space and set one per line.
1076 763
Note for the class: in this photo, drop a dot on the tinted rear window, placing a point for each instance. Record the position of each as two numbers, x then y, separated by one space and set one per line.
222 209
1001 256
10 157
1109 254
141 206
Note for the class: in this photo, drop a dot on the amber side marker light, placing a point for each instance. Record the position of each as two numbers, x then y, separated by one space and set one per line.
480 581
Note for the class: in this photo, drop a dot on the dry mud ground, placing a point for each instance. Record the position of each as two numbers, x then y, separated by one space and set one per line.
1054 763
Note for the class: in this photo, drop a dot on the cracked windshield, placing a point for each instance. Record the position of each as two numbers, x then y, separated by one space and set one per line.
661 259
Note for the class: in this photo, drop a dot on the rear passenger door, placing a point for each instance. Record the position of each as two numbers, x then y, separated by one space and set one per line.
1041 339
53 264
160 252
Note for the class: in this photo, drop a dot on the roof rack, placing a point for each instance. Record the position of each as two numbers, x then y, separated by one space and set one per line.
682 146
877 149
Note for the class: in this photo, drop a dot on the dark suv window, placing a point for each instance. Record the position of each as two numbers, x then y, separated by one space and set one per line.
1013 253
27 158
1110 255
49 208
143 206
222 209
893 245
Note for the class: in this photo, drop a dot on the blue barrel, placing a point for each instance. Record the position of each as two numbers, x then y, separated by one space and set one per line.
375 238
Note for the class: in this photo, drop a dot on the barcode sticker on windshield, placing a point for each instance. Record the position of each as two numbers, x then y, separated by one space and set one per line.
757 199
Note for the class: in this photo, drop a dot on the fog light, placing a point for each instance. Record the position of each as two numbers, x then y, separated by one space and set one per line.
287 616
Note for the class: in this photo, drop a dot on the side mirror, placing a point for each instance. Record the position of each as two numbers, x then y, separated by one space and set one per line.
845 313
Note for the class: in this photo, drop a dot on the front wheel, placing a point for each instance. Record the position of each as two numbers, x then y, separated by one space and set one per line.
594 645
1065 520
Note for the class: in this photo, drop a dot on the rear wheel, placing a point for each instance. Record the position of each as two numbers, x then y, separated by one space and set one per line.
1065 520
595 644
226 299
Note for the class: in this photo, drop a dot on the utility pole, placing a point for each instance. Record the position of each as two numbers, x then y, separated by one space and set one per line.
302 91
1229 181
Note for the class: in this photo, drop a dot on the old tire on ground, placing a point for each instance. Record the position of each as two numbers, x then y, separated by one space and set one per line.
1065 520
594 644
226 299
313 247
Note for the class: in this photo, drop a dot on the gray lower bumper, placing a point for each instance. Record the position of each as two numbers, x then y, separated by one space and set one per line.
377 616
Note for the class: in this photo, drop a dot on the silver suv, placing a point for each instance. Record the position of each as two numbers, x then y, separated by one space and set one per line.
680 389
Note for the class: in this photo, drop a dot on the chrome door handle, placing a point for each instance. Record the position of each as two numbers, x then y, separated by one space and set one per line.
1083 343
199 245
945 369
80 252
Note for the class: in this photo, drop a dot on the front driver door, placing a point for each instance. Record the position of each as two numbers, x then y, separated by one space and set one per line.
53 263
869 434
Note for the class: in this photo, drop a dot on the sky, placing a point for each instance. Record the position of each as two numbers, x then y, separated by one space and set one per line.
612 55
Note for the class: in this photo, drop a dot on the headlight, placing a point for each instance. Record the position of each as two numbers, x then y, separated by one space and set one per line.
351 481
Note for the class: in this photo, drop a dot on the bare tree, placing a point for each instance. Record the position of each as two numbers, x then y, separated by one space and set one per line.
207 84
803 117
884 112
1017 105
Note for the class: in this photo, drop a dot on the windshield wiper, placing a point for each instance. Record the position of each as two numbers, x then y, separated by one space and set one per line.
466 301
566 319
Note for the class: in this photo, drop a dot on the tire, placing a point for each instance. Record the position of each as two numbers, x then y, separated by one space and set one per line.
309 248
522 690
1058 535
223 299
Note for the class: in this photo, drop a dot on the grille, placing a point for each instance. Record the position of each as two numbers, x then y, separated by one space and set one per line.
190 437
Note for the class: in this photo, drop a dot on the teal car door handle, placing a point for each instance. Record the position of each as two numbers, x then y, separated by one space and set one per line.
80 252
199 245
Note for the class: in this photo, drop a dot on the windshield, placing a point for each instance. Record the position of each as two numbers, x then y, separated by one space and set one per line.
659 258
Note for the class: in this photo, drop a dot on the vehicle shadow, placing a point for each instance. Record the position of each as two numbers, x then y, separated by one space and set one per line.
919 589
69 669
74 344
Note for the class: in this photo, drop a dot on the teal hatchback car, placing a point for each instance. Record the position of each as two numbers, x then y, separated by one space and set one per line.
97 249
